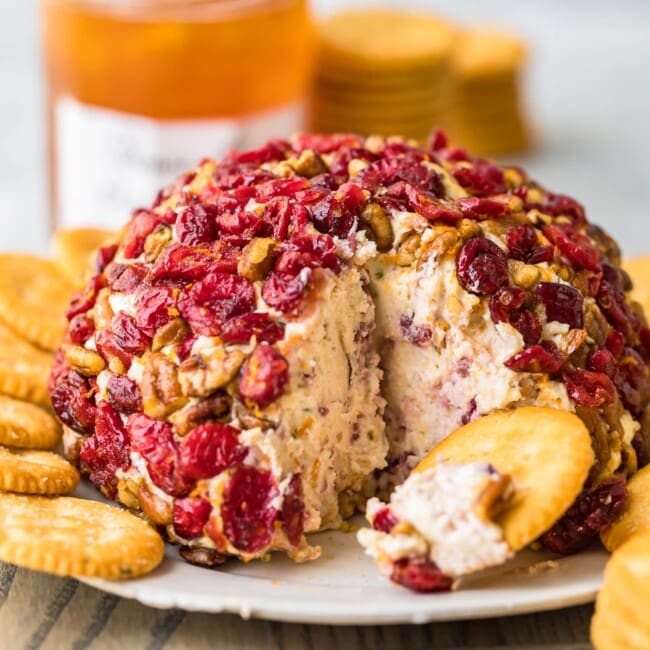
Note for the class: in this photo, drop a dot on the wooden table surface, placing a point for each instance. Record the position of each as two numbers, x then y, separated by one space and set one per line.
42 611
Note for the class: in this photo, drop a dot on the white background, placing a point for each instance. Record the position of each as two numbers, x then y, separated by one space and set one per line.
588 90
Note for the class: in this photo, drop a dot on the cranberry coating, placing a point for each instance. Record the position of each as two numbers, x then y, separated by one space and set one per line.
421 575
123 394
247 510
589 388
190 515
209 449
293 511
481 266
384 520
562 303
241 329
592 512
264 376
71 400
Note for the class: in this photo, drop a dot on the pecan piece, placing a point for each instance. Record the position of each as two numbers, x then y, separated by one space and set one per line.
309 164
155 242
103 310
158 511
257 258
207 558
408 248
85 362
160 387
173 332
377 223
212 407
203 373
596 324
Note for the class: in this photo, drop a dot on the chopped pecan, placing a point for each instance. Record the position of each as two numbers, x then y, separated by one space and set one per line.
407 250
212 407
158 511
247 419
170 334
203 373
605 243
642 439
155 242
207 558
127 493
596 324
444 242
257 258
575 338
524 275
85 362
468 228
377 223
599 430
160 387
309 164
103 310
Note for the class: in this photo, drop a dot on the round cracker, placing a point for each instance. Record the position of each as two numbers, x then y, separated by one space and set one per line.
72 249
69 536
36 472
620 620
635 517
639 270
26 425
34 295
547 452
24 369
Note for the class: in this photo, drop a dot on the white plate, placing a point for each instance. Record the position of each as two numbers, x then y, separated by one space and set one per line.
344 588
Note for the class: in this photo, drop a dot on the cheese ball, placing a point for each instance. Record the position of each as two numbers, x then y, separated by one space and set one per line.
287 332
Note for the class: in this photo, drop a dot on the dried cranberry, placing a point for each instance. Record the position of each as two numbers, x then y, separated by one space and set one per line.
392 171
209 449
612 302
196 225
242 328
615 342
190 515
124 394
107 450
306 251
575 247
545 357
544 253
420 574
423 202
71 401
270 152
190 263
247 510
125 278
84 300
154 441
285 217
215 299
481 266
238 228
481 179
264 376
559 205
592 512
153 306
419 335
81 328
293 511
562 303
104 257
384 520
589 388
285 292
521 241
324 143
324 182
505 301
633 381
437 140
453 154
173 188
528 325
280 187
128 335
108 347
480 208
142 224
184 348
337 213
602 361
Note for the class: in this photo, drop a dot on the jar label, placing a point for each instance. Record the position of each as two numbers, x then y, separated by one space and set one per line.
109 163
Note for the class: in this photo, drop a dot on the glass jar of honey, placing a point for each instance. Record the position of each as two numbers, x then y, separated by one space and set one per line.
140 90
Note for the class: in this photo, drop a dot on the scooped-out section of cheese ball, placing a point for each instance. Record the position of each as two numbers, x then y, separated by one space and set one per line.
287 332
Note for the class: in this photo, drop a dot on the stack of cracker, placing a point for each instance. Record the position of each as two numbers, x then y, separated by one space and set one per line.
39 528
382 72
485 112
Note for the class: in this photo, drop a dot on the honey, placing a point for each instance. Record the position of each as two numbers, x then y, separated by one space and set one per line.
140 90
